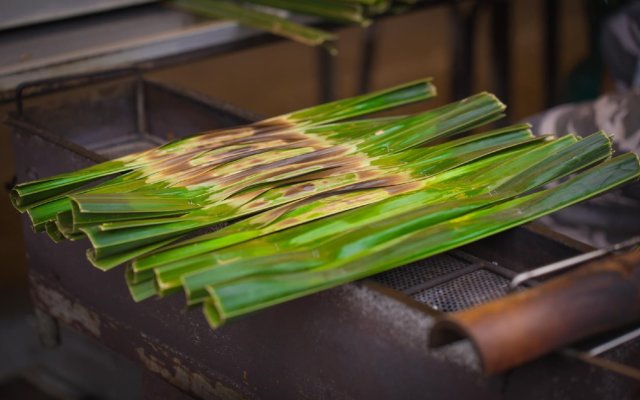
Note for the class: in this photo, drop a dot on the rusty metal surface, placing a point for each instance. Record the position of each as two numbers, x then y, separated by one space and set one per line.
358 341
598 297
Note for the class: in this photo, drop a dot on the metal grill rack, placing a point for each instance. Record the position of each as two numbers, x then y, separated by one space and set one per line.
449 282
457 281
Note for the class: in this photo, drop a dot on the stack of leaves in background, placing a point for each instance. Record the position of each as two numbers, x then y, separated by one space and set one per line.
247 217
271 15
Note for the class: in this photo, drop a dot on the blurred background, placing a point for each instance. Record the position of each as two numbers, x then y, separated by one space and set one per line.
544 54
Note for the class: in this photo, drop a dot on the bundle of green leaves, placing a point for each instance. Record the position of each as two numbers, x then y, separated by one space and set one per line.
267 15
247 217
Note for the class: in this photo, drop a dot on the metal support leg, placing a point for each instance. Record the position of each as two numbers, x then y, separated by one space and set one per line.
325 81
368 56
551 51
464 22
500 33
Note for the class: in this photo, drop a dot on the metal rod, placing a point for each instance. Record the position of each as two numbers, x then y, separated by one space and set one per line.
613 343
570 262
590 356
609 365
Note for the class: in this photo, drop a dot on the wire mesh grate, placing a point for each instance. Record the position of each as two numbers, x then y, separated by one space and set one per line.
419 272
465 291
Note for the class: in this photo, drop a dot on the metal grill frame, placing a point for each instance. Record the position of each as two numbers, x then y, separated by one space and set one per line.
360 340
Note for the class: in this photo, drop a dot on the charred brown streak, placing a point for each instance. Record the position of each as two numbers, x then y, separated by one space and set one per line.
289 136
298 161
274 174
373 183
231 153
288 140
169 161
300 188
226 137
211 165
209 138
355 166
246 140
272 123
402 187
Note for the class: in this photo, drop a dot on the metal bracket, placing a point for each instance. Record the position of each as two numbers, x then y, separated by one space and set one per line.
573 261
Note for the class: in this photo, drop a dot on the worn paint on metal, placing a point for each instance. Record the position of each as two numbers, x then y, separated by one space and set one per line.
179 375
62 308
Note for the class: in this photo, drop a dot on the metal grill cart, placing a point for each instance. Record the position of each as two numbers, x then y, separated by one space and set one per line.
366 340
